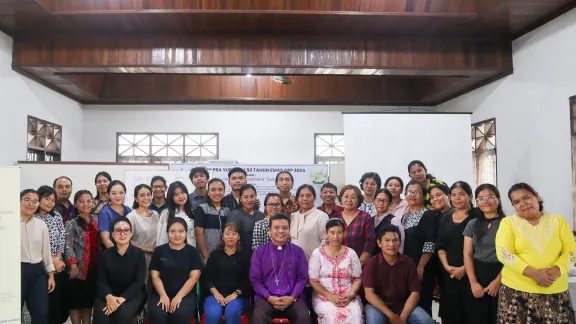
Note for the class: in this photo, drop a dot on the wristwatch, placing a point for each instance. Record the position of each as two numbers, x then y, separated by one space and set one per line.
237 292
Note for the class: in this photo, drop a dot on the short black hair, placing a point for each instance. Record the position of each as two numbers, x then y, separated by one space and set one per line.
386 192
236 169
278 216
416 183
61 177
156 178
46 191
115 183
371 175
334 222
285 172
305 186
200 169
329 185
388 229
121 219
397 179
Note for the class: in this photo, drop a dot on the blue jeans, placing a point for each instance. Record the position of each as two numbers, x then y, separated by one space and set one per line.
232 312
418 316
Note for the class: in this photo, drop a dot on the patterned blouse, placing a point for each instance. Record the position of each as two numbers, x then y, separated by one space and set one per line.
290 206
80 245
261 234
56 231
420 230
369 208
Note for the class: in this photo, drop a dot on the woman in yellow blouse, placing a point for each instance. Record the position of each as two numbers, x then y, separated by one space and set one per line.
537 250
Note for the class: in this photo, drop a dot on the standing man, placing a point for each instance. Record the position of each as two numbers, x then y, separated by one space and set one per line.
63 187
328 194
158 185
285 183
199 177
237 177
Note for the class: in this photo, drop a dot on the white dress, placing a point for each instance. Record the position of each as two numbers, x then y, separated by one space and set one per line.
162 234
336 276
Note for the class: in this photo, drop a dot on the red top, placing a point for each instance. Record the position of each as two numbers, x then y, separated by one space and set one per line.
335 210
392 283
94 246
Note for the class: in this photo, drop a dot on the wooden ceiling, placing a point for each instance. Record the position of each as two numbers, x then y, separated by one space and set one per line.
370 52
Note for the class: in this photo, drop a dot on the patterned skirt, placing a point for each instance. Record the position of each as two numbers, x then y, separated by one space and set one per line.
518 307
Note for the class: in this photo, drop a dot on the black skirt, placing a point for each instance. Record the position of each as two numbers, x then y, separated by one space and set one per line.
452 293
80 293
483 310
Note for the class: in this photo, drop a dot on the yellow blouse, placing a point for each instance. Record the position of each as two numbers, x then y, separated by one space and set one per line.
520 244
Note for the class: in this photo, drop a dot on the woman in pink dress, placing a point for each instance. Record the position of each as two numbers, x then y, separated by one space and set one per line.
334 271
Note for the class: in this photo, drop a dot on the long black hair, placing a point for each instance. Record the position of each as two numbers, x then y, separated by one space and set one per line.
171 205
46 191
419 163
525 186
481 226
212 181
247 187
466 187
101 174
77 196
136 190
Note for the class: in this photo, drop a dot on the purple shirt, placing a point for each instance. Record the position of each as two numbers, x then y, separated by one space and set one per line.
267 262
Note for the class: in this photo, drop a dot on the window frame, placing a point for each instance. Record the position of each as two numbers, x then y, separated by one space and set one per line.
316 146
43 153
151 134
474 151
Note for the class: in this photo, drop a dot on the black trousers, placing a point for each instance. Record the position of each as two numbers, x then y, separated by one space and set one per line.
264 312
428 282
58 312
123 315
183 315
34 291
483 310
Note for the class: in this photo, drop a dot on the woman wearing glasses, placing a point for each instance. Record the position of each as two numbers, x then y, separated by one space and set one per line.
537 249
225 279
420 228
384 218
37 269
81 257
121 276
482 266
454 285
47 213
273 205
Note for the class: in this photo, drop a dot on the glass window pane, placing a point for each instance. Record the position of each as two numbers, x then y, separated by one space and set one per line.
156 149
175 140
160 139
193 140
209 150
175 150
210 140
161 152
126 150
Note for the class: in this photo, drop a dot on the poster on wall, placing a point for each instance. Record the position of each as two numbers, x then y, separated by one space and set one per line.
10 311
132 178
263 177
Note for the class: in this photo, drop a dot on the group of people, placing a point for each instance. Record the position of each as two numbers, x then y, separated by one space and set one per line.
375 258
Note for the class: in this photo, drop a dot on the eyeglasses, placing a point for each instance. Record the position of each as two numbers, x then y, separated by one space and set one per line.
158 187
413 193
31 202
274 205
231 234
119 231
381 201
526 199
490 198
86 202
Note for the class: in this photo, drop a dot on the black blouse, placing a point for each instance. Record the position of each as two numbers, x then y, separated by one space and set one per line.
451 238
227 273
122 275
175 266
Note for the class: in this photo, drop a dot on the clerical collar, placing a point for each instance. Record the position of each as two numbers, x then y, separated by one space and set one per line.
279 247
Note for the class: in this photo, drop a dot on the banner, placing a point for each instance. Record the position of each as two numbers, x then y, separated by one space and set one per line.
263 177
10 311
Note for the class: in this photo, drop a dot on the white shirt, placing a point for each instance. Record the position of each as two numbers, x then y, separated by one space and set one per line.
308 230
35 243
162 234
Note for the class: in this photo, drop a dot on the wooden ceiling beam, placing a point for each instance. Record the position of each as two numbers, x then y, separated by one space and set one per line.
283 55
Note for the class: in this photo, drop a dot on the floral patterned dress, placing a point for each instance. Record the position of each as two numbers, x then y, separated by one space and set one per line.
336 276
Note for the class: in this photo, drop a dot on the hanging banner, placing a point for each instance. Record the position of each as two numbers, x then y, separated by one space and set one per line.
10 309
263 177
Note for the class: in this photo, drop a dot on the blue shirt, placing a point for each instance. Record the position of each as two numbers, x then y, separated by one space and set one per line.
107 216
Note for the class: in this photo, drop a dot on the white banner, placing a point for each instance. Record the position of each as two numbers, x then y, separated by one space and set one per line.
263 177
10 311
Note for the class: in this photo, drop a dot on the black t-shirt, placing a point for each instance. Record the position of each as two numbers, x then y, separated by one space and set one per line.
175 266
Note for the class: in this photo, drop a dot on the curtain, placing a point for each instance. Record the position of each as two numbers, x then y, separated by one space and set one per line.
485 166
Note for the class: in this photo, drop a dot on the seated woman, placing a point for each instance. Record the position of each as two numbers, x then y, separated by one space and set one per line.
334 272
537 250
175 269
226 278
121 290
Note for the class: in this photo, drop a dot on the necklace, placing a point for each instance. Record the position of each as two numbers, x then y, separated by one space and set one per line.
276 274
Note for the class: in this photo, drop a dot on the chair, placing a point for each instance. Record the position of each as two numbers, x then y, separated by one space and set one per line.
244 319
280 320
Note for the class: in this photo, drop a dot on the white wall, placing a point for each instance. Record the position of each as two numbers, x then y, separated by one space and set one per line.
532 114
247 134
21 97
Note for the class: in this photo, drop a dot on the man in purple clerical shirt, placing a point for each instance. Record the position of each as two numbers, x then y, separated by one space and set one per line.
279 273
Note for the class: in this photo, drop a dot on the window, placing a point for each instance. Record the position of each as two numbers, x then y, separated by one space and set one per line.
166 147
329 148
44 140
484 151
